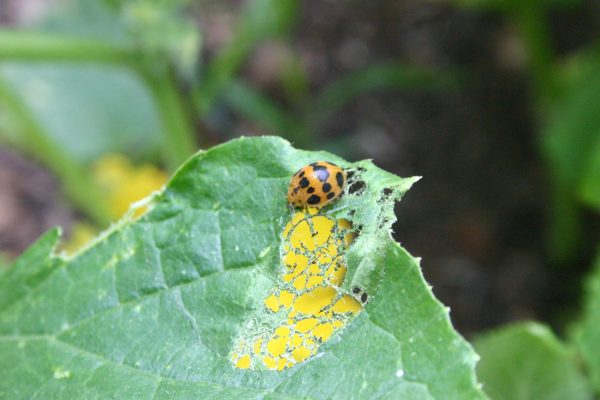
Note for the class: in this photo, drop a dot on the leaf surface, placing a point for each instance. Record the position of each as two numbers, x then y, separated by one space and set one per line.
152 308
526 361
588 330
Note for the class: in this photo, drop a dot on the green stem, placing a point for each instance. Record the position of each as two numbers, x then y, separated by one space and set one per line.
34 46
532 22
77 184
179 137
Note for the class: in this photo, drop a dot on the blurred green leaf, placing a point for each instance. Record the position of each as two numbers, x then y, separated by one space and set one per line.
570 140
295 81
164 31
24 131
526 361
588 332
88 109
573 132
382 77
259 109
590 186
152 308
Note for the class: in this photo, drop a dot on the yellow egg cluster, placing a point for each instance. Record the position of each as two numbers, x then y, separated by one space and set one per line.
308 298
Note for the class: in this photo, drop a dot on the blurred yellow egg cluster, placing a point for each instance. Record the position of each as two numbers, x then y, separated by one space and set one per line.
124 183
121 184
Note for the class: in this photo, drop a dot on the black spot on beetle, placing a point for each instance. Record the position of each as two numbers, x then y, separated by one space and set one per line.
355 290
304 182
318 167
339 178
310 190
301 174
330 195
314 199
326 187
364 297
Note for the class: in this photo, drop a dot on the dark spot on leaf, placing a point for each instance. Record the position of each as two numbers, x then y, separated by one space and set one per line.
351 212
357 188
387 191
383 222
364 297
314 199
304 182
326 187
356 290
350 174
358 230
310 190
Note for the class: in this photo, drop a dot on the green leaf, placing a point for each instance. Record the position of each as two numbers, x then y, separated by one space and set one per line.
572 136
571 143
526 361
89 109
153 308
588 332
259 109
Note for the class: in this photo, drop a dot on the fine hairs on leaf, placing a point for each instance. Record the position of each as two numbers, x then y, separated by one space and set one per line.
152 309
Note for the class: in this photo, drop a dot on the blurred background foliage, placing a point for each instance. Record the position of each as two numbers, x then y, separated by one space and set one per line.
495 102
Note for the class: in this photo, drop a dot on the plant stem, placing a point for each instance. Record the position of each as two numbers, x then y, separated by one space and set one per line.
33 46
532 22
77 184
179 137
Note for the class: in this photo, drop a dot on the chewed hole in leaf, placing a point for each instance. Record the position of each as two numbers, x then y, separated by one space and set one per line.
357 188
386 193
307 305
360 294
383 222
